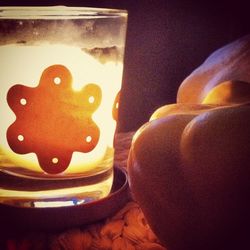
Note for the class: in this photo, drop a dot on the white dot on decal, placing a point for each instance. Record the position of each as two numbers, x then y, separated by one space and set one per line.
55 160
57 80
23 101
20 138
91 99
88 138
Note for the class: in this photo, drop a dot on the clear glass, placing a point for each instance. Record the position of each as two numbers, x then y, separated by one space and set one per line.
60 79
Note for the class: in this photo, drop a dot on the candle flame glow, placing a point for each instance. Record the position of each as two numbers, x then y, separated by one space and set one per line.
21 64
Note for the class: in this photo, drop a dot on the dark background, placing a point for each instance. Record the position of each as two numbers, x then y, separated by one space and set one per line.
166 41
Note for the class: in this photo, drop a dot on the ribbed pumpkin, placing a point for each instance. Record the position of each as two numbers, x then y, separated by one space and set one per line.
229 63
189 166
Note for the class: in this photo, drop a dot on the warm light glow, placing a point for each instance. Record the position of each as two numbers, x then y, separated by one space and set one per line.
23 101
20 137
57 203
57 80
57 197
21 64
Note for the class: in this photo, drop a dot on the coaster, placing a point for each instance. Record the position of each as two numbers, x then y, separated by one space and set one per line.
60 218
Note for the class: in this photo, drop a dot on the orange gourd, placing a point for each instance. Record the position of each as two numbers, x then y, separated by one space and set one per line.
189 166
229 63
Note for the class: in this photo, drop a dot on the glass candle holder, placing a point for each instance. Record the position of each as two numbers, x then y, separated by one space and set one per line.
60 80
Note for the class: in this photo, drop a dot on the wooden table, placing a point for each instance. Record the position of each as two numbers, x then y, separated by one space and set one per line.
125 230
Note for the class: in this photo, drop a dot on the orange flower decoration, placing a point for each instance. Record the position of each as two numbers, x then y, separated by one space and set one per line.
116 107
53 120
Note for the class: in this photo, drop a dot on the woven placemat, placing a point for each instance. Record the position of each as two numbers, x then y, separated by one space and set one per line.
127 229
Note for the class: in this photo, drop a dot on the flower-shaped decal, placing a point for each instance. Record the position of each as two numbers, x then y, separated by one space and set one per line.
116 107
53 120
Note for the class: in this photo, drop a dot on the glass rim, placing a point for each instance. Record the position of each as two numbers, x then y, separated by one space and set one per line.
59 12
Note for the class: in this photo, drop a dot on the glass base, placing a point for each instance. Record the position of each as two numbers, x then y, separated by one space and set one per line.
54 218
22 192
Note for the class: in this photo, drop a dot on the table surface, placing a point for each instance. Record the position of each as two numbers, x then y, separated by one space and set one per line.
127 229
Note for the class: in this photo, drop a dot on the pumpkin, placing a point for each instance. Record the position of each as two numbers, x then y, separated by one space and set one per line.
229 63
228 92
190 174
189 165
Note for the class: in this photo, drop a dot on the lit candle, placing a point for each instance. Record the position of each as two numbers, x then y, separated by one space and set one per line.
59 100
84 71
